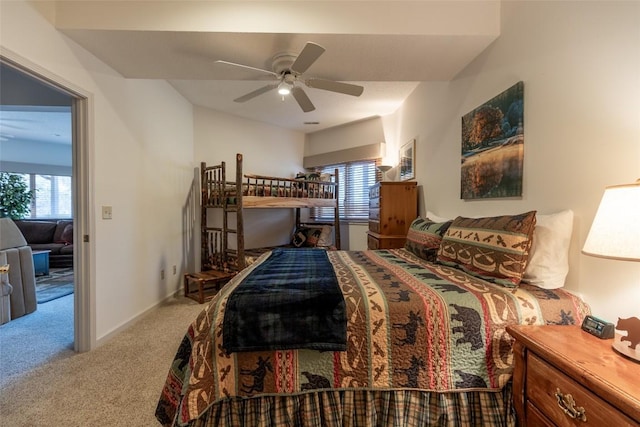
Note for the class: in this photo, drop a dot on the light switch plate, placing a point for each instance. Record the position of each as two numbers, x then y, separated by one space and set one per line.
106 212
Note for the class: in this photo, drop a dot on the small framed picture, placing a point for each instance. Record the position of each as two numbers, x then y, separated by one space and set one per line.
408 160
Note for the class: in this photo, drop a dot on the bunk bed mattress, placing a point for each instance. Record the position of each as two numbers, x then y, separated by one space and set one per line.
257 190
286 191
425 343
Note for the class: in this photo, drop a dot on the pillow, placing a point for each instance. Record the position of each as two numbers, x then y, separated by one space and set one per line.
67 235
314 236
308 176
549 260
424 237
436 218
548 264
492 248
326 236
298 238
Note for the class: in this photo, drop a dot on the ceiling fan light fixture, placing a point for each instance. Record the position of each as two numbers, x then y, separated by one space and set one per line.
289 69
284 88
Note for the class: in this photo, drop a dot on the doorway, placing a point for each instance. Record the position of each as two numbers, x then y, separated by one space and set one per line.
45 81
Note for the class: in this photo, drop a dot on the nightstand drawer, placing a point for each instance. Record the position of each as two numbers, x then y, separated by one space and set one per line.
374 226
537 418
543 382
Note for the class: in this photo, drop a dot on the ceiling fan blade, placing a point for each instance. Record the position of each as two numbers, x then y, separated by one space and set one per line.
310 53
256 92
333 86
303 100
246 67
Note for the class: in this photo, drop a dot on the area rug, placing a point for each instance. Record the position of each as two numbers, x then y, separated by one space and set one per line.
57 284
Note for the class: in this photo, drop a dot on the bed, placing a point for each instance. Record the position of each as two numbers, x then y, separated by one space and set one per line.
424 335
250 191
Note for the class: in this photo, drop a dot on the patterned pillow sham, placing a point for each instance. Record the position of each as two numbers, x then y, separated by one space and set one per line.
313 236
492 248
298 238
424 237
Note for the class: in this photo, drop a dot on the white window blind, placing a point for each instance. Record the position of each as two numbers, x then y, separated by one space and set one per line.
53 198
355 180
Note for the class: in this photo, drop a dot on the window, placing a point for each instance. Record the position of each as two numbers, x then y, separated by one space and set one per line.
53 196
355 180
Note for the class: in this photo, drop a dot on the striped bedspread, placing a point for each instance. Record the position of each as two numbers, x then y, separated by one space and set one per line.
412 325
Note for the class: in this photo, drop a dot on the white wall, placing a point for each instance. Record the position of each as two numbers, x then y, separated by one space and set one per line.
141 149
356 134
580 63
266 149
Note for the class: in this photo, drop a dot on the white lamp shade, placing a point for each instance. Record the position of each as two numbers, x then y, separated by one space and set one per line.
615 231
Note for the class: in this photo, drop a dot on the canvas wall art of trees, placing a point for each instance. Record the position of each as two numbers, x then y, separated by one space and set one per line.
493 147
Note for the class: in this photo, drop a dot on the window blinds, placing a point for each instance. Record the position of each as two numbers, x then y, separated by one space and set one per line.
355 180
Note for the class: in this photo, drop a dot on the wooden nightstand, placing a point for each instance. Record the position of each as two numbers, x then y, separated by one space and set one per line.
566 377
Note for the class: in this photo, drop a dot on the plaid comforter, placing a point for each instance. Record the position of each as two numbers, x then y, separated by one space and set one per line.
412 326
294 299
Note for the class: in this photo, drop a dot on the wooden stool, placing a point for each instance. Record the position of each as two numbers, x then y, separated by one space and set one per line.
208 283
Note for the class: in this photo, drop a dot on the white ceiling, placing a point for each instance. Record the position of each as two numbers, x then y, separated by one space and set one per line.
385 46
46 124
35 121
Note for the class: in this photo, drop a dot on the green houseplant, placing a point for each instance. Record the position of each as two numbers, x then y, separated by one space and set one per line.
15 196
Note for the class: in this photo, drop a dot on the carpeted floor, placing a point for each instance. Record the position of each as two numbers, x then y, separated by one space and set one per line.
117 384
36 339
57 284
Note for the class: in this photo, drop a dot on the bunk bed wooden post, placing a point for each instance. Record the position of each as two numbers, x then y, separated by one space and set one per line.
224 244
204 247
336 210
240 261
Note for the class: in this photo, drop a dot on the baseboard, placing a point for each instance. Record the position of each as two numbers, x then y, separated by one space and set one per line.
108 336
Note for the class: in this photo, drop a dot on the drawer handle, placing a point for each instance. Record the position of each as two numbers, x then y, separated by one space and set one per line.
568 406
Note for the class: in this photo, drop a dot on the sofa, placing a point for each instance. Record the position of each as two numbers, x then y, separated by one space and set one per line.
52 235
15 252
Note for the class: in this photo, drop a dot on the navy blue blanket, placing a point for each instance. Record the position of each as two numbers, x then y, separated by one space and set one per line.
290 301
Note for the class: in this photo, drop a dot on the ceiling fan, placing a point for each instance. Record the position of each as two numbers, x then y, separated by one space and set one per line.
288 70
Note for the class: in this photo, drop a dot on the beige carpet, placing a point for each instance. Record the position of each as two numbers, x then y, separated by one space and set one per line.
118 384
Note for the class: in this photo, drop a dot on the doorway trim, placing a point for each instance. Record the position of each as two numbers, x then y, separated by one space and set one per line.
84 319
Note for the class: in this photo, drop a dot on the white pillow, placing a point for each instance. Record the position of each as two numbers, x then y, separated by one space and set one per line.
326 237
435 218
549 258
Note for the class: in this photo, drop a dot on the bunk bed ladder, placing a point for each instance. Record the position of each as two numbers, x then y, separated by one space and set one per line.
215 253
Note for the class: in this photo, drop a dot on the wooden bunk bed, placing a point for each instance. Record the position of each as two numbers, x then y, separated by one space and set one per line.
251 192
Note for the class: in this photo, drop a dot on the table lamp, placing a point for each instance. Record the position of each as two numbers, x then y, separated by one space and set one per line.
615 234
384 169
